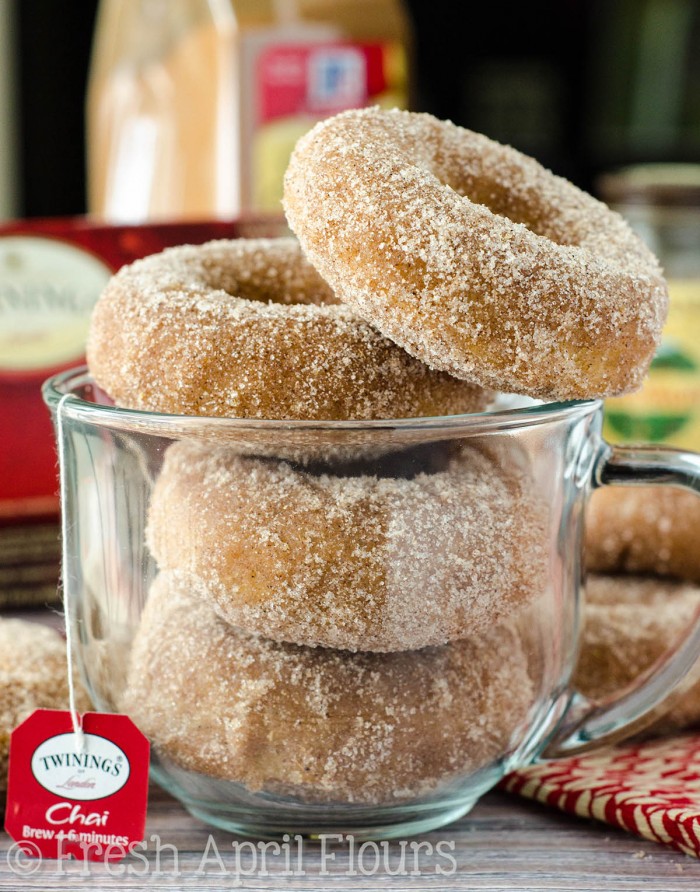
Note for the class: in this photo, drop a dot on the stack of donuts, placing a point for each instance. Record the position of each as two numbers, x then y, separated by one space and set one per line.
316 611
340 623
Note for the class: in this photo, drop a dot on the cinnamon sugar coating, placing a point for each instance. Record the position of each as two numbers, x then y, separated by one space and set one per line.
33 675
644 529
319 725
630 622
247 328
473 257
359 562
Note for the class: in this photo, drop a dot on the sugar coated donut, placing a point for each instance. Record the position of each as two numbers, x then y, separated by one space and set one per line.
629 622
314 723
354 562
32 676
473 257
644 529
249 329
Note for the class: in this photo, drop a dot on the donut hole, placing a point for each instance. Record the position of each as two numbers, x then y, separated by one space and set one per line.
514 201
400 464
507 184
284 283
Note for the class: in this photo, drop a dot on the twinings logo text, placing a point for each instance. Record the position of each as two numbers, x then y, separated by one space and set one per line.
99 769
81 760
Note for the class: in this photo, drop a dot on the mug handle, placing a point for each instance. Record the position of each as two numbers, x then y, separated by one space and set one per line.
587 724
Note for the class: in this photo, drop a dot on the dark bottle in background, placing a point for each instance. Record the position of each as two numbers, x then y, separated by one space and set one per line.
642 90
582 85
515 74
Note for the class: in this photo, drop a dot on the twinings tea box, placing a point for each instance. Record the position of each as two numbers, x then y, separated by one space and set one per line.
662 203
51 274
194 106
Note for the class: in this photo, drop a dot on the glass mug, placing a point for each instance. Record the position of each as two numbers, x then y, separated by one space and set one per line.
354 627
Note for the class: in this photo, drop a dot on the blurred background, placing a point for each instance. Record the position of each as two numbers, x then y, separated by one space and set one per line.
583 85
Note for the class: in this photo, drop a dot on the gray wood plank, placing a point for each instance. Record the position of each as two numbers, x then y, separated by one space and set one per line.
504 844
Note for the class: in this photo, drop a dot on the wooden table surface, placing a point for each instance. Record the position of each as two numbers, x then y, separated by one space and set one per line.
504 844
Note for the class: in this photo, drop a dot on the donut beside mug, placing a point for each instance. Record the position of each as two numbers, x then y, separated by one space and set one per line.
644 529
32 676
630 622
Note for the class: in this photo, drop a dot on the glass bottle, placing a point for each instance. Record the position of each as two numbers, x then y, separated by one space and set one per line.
662 203
161 111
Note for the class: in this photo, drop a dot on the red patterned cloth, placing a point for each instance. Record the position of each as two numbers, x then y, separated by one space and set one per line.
651 789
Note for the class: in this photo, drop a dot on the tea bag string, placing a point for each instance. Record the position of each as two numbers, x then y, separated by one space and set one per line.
76 719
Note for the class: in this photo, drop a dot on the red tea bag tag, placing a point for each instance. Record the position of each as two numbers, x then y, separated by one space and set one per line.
64 800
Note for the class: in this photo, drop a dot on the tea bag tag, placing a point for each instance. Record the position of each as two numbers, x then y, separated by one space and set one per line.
77 796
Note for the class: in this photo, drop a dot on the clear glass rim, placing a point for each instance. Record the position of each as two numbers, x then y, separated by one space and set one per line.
55 388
